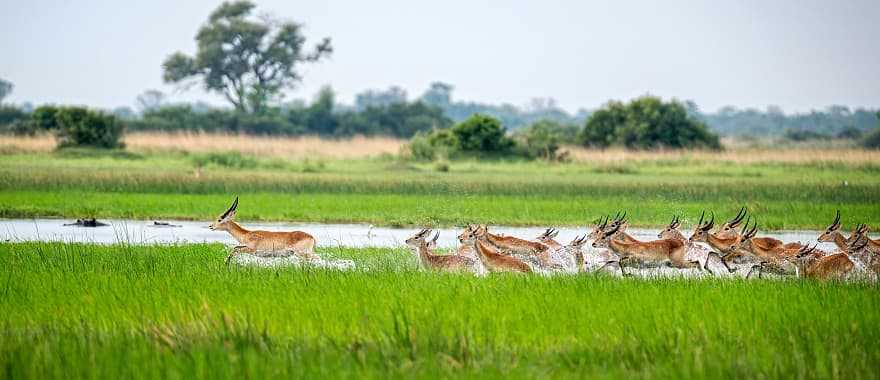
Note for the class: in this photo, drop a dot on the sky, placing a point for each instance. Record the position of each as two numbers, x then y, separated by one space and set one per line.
799 55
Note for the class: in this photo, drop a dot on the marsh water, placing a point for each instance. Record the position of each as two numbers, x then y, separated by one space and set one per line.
349 235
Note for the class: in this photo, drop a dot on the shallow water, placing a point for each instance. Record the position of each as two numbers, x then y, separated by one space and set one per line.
332 235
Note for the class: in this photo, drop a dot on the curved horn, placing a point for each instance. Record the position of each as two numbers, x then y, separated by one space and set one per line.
611 232
702 214
710 223
231 208
738 218
836 222
437 235
754 230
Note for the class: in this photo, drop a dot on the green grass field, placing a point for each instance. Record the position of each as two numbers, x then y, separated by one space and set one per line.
386 191
72 311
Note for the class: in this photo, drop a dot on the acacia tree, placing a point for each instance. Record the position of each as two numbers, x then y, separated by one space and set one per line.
247 59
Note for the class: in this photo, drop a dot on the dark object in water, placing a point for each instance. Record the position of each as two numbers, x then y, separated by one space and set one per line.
163 224
90 222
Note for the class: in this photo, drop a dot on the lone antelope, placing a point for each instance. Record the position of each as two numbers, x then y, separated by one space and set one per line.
510 245
663 251
423 248
296 242
815 265
494 261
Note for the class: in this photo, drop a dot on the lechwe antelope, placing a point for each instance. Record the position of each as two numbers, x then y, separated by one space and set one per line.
494 261
422 248
774 258
265 242
509 245
868 254
814 264
547 238
694 251
663 251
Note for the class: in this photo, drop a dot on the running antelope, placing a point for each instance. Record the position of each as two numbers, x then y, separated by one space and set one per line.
510 245
765 249
663 251
671 232
547 238
832 234
868 254
422 248
494 261
825 267
255 242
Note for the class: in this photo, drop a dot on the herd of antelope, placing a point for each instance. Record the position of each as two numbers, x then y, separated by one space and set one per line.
612 249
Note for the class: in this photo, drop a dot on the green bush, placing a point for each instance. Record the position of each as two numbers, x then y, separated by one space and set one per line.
14 120
224 159
82 127
872 139
803 135
544 138
646 123
477 136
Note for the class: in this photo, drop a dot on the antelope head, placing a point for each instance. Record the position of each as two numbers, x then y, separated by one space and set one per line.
701 231
746 237
598 229
549 234
832 230
416 240
671 230
857 245
222 222
861 232
728 229
578 242
604 240
471 233
806 254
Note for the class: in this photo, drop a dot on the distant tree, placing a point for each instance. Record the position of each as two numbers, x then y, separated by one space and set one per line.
851 133
246 59
438 94
481 134
150 100
872 139
379 98
124 113
803 135
5 89
646 123
543 138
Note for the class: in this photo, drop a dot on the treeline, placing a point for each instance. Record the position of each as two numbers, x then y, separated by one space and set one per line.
833 122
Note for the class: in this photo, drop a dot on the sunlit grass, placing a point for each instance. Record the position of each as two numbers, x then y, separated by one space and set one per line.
176 311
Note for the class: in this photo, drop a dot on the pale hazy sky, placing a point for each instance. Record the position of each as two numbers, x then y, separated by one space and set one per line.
796 54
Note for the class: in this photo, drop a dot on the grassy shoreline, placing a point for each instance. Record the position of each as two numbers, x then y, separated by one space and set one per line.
391 192
177 311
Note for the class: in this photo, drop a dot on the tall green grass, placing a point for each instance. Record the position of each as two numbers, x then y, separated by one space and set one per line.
74 310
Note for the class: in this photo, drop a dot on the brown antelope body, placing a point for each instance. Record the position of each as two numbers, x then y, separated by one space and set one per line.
663 251
423 249
824 267
510 245
764 251
548 238
724 244
671 232
494 261
281 243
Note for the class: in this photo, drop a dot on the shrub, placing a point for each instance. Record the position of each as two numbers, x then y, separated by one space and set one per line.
224 159
543 139
803 135
850 133
78 126
646 123
477 136
872 139
12 119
